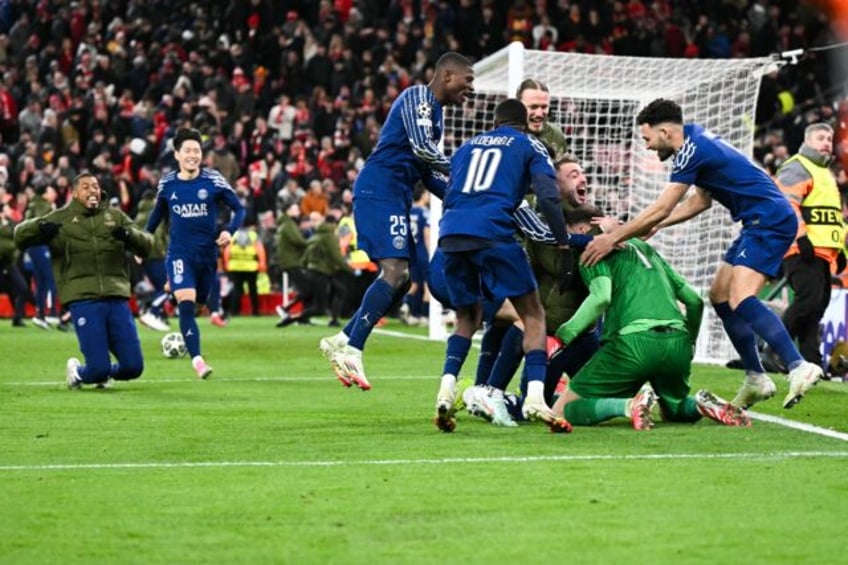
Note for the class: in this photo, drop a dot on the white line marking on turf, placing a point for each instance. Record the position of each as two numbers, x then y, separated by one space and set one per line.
441 461
189 380
802 426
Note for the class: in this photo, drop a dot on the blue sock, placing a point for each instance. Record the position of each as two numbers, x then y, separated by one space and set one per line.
489 347
188 327
769 327
376 302
348 328
741 336
508 359
455 355
535 365
156 305
416 303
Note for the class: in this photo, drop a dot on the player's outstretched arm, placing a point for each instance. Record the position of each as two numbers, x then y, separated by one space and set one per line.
651 216
699 201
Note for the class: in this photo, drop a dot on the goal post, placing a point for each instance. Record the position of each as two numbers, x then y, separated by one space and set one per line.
595 100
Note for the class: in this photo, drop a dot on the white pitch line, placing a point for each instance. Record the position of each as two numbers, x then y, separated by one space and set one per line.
194 381
438 461
802 426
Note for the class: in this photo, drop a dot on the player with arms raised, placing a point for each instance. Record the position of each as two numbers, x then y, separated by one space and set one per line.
406 152
190 197
769 226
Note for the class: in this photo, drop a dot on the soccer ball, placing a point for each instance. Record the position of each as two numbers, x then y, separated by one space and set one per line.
173 345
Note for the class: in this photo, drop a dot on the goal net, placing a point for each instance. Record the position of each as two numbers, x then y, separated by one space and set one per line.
595 100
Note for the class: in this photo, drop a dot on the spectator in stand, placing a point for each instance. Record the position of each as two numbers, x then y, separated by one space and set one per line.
315 200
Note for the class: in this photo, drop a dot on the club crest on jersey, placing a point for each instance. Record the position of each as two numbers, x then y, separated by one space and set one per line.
81 322
203 194
178 279
398 242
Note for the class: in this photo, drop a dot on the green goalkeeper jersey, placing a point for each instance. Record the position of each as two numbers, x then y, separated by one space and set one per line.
638 290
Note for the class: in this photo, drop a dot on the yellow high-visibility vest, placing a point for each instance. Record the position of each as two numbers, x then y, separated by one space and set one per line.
822 207
244 259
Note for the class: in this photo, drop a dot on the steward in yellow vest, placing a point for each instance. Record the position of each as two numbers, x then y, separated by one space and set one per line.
811 187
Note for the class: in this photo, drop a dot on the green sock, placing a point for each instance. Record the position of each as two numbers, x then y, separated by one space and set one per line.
689 410
589 411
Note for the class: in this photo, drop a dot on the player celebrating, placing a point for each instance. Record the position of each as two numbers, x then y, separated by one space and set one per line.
491 175
382 198
88 246
646 338
190 198
769 226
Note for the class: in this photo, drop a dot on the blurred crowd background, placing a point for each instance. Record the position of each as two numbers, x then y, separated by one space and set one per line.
290 95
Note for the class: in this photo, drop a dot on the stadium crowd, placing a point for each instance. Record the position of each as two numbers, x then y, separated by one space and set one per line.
290 95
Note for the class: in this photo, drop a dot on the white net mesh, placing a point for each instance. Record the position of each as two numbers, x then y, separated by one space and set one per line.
595 100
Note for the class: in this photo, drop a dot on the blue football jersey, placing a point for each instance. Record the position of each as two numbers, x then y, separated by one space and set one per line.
406 149
730 177
192 209
491 174
419 220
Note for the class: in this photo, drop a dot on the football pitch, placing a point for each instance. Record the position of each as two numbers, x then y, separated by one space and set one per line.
272 461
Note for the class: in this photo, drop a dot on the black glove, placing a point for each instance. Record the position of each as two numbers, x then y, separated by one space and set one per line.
841 263
565 268
805 247
121 233
48 230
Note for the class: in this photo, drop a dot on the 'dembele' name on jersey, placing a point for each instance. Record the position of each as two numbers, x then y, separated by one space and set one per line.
491 140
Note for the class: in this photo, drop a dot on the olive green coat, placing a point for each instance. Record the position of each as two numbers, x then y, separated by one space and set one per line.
290 243
323 253
88 262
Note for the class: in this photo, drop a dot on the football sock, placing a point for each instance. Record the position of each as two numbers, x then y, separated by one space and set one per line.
687 411
156 305
456 353
741 336
489 347
416 303
509 358
589 411
769 327
348 327
376 302
535 363
188 327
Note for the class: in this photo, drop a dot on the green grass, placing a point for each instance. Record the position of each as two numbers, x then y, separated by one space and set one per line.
272 461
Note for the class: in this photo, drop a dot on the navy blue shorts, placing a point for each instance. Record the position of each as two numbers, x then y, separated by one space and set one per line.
382 229
438 287
762 248
503 271
184 273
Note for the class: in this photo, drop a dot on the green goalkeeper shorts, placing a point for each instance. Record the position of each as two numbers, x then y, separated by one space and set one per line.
661 356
